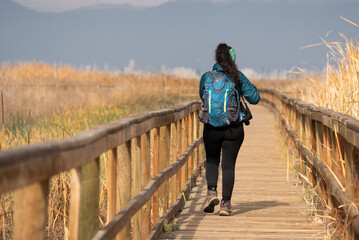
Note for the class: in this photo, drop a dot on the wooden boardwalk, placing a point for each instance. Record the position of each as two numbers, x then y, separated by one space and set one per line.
264 204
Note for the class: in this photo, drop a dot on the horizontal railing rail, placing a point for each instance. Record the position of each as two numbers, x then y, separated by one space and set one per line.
326 144
123 217
165 146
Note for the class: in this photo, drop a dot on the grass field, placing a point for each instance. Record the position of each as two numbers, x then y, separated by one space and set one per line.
44 102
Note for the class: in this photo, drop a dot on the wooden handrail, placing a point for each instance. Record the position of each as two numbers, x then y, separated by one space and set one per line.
37 162
121 219
128 144
321 137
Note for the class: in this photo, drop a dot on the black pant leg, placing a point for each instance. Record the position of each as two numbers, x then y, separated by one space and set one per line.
233 140
212 138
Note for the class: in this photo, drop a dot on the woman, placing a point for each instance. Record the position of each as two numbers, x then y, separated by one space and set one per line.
227 139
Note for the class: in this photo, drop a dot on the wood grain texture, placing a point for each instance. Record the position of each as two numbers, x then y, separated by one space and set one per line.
75 203
111 183
136 183
124 180
30 213
145 178
36 162
265 206
318 172
89 200
348 126
122 218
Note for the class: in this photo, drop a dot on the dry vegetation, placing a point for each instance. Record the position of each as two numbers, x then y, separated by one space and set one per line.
44 102
338 89
36 89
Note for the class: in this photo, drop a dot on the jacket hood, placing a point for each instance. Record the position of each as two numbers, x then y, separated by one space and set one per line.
217 67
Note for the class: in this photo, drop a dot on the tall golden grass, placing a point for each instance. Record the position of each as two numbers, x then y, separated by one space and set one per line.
35 89
44 102
338 87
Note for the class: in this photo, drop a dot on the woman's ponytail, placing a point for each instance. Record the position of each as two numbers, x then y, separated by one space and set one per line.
226 56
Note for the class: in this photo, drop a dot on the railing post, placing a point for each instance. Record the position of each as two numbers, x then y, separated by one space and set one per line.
123 190
173 159
297 121
30 212
183 149
189 142
312 136
319 140
145 178
155 146
302 137
75 203
356 172
136 183
195 137
201 150
349 170
111 183
84 209
164 153
178 154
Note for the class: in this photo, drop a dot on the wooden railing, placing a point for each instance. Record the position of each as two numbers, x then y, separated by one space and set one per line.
153 159
327 149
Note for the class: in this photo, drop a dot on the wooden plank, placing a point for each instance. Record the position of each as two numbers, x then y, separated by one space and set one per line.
171 213
111 183
136 183
178 154
349 170
122 218
124 185
84 209
195 136
164 158
173 158
75 203
262 208
319 140
30 214
184 147
189 142
145 178
154 201
37 162
89 200
332 184
356 173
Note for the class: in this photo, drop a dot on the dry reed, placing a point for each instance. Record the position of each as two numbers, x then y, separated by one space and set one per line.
338 88
44 102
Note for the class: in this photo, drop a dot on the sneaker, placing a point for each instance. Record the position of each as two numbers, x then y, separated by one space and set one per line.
211 201
226 208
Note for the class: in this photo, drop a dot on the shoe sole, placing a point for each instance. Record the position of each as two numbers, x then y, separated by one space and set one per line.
224 213
210 208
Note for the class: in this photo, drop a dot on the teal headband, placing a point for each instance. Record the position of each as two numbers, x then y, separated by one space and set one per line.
233 54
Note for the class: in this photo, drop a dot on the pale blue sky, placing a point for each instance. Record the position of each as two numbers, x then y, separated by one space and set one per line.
267 34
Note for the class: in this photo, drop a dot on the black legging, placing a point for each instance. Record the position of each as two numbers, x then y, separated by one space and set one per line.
229 139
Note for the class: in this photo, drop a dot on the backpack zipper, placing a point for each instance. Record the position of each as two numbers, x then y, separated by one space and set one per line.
225 101
209 101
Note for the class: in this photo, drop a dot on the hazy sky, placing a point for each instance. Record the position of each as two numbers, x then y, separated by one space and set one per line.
266 34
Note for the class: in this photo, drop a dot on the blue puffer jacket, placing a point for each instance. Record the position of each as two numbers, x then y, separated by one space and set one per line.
248 90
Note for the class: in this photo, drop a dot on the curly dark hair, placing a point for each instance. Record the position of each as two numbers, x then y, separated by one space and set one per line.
224 59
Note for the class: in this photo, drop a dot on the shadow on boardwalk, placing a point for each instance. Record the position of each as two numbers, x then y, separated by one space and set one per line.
265 205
